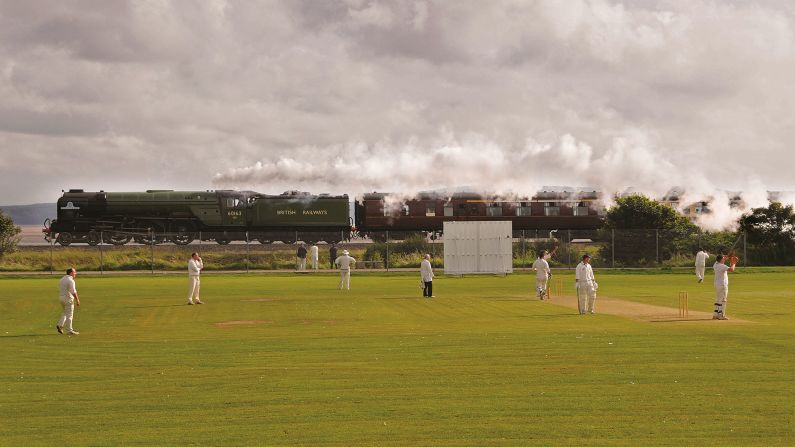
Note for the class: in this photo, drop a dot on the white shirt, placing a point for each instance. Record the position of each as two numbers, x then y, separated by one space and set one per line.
313 252
195 267
344 262
584 273
67 287
701 258
541 267
721 275
426 271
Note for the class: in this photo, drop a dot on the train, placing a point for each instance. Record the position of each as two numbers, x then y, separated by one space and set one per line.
223 216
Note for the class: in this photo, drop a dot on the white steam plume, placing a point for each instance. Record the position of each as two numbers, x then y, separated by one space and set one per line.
630 160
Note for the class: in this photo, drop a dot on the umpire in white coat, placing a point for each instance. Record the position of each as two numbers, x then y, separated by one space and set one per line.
344 263
195 266
426 273
585 285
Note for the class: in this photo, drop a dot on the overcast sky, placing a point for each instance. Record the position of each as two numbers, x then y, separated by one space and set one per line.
354 96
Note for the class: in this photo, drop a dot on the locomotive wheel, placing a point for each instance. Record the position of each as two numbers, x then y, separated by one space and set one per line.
183 238
117 238
64 239
264 241
223 240
92 238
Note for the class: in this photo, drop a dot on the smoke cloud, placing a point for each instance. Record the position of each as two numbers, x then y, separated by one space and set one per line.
447 163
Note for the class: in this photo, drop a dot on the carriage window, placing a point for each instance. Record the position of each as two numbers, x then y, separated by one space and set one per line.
494 209
430 209
523 209
581 209
550 209
448 210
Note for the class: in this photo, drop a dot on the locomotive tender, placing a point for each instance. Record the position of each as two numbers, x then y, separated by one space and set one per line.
181 217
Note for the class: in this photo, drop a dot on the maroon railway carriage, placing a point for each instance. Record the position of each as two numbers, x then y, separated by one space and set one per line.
427 212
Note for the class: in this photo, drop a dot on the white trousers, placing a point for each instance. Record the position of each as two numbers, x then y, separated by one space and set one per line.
541 286
721 298
700 271
194 284
345 279
68 304
314 263
301 263
586 298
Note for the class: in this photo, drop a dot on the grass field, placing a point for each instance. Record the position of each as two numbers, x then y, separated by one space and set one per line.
306 364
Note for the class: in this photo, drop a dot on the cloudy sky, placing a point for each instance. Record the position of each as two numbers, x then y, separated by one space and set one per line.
360 95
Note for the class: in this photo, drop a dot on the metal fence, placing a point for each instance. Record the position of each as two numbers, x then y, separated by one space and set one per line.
159 253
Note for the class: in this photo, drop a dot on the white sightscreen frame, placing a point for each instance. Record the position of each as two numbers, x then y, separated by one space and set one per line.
478 247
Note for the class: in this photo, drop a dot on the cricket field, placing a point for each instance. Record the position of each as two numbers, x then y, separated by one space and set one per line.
288 360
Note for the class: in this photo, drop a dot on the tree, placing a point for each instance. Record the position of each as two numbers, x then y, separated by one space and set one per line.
642 231
8 235
770 234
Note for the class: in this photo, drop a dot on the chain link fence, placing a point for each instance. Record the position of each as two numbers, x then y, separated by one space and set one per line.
164 252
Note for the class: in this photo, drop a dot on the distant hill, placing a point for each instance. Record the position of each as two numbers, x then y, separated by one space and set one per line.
30 214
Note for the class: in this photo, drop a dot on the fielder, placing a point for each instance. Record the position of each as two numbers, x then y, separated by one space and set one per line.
195 266
68 298
345 262
543 273
313 254
701 262
722 285
585 286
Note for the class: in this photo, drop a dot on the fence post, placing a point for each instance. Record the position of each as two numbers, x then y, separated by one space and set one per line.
52 243
152 250
613 248
386 261
568 252
524 250
101 257
247 252
745 251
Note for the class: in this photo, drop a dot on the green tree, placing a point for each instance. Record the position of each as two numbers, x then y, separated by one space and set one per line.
770 234
645 232
8 235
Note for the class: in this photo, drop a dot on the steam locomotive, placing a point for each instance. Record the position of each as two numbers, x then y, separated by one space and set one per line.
157 216
180 217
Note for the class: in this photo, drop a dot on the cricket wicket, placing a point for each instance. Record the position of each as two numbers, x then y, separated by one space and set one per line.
554 288
683 305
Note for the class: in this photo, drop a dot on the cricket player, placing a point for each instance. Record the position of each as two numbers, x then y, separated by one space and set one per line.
543 273
701 262
313 254
300 257
195 266
585 285
722 284
344 263
68 298
426 273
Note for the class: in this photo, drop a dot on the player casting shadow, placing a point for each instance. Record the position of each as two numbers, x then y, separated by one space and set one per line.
30 335
156 305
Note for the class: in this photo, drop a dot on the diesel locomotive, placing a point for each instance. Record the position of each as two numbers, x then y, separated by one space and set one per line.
157 216
180 217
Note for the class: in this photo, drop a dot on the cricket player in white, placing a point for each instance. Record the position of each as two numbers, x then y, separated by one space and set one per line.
543 273
68 298
426 273
313 253
195 266
585 285
701 262
722 285
344 263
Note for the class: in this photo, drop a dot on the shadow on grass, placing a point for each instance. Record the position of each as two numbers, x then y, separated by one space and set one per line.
156 305
31 335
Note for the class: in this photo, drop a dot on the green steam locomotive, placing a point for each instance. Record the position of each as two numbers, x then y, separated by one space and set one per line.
181 217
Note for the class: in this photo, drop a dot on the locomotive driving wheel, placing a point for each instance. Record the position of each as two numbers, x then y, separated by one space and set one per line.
64 239
93 238
183 236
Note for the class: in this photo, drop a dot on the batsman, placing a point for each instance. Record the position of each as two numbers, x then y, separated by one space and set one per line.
722 283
